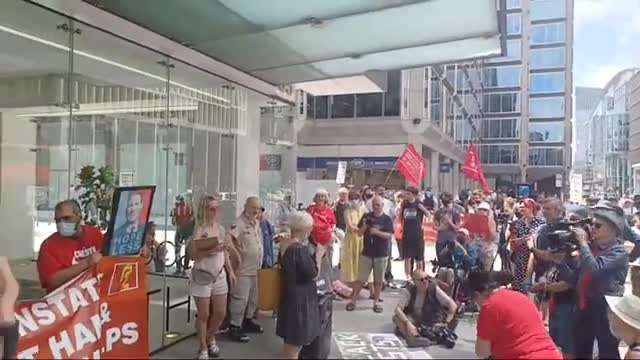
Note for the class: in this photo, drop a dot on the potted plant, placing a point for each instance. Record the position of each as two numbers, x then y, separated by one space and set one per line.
96 192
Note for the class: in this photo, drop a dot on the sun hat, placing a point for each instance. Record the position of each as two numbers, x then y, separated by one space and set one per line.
484 206
627 308
612 215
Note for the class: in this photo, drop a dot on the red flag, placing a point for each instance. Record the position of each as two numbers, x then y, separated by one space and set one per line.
411 165
473 169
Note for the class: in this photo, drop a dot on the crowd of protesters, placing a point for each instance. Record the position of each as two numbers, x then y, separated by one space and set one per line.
560 288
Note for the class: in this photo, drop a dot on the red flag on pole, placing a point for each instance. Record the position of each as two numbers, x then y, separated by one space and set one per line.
473 169
411 165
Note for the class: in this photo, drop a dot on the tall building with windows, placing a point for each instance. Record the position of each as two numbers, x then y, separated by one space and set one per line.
634 130
609 166
527 103
436 109
586 101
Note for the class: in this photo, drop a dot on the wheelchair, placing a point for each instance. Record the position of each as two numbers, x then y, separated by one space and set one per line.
458 293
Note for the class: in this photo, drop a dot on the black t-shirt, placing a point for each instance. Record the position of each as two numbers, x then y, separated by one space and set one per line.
447 235
374 246
429 203
565 272
339 214
412 221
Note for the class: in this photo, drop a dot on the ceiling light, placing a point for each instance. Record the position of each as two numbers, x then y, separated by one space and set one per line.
107 61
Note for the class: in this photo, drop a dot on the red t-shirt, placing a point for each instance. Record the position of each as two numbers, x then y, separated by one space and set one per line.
58 253
513 326
323 222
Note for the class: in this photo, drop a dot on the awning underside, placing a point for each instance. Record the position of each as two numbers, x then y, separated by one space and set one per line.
291 41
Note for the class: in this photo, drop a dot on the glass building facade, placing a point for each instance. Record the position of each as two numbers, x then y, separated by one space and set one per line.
608 164
527 96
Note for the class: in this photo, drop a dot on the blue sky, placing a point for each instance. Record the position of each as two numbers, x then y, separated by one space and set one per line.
607 39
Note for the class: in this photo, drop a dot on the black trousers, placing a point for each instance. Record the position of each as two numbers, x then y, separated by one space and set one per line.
320 348
592 324
10 336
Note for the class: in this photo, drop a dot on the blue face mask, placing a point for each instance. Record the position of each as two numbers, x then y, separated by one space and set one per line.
67 229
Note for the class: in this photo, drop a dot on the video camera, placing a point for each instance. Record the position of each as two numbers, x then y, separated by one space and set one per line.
562 235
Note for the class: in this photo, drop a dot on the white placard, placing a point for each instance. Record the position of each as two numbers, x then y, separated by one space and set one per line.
342 172
126 178
575 188
558 181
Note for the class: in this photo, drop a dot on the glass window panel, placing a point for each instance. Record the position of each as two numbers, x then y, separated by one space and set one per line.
546 156
369 105
499 154
514 24
514 4
500 128
392 96
546 82
501 102
547 9
547 58
343 106
514 51
546 107
546 131
508 76
547 33
322 107
311 106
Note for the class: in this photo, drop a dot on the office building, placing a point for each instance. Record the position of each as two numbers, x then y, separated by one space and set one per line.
586 100
609 166
634 130
436 109
527 105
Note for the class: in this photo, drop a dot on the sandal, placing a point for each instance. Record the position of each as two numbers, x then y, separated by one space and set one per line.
377 308
350 307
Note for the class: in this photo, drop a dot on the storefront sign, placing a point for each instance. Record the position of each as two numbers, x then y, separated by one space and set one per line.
101 314
374 346
342 172
270 162
377 163
445 168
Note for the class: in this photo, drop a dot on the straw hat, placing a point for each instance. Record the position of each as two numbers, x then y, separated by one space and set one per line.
627 308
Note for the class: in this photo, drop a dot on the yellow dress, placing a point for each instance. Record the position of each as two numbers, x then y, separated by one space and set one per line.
351 248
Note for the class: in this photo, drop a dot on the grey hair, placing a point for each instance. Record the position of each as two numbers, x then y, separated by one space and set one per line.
299 221
322 191
70 202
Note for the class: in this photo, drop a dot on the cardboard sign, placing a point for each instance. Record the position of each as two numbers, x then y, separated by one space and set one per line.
102 313
341 174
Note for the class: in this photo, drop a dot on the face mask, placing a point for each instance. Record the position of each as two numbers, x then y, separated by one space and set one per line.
66 229
354 203
428 193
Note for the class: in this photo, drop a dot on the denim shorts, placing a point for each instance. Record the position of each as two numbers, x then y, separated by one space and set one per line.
561 326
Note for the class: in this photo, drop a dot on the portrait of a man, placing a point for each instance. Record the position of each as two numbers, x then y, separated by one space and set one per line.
130 219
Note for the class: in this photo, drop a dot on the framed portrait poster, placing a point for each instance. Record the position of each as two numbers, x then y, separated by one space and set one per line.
130 214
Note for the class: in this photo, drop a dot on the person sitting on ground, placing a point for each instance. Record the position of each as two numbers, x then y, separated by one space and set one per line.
624 319
423 304
72 249
509 325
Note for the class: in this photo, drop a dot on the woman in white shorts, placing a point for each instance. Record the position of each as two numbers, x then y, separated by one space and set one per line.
208 277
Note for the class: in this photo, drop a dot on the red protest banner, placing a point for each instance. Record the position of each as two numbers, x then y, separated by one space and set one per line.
102 313
473 169
411 165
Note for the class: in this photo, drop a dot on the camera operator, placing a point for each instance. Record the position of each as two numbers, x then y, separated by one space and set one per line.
423 305
603 271
461 259
447 221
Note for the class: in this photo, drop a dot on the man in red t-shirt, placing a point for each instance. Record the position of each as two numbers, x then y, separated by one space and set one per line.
71 250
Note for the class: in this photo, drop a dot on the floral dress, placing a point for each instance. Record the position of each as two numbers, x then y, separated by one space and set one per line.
520 253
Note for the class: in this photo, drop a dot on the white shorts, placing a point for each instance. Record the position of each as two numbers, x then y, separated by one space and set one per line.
218 287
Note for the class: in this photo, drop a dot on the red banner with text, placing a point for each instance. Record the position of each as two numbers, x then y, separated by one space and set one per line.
102 313
411 165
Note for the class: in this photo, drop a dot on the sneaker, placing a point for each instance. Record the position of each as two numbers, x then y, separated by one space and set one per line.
252 327
203 355
214 350
235 334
